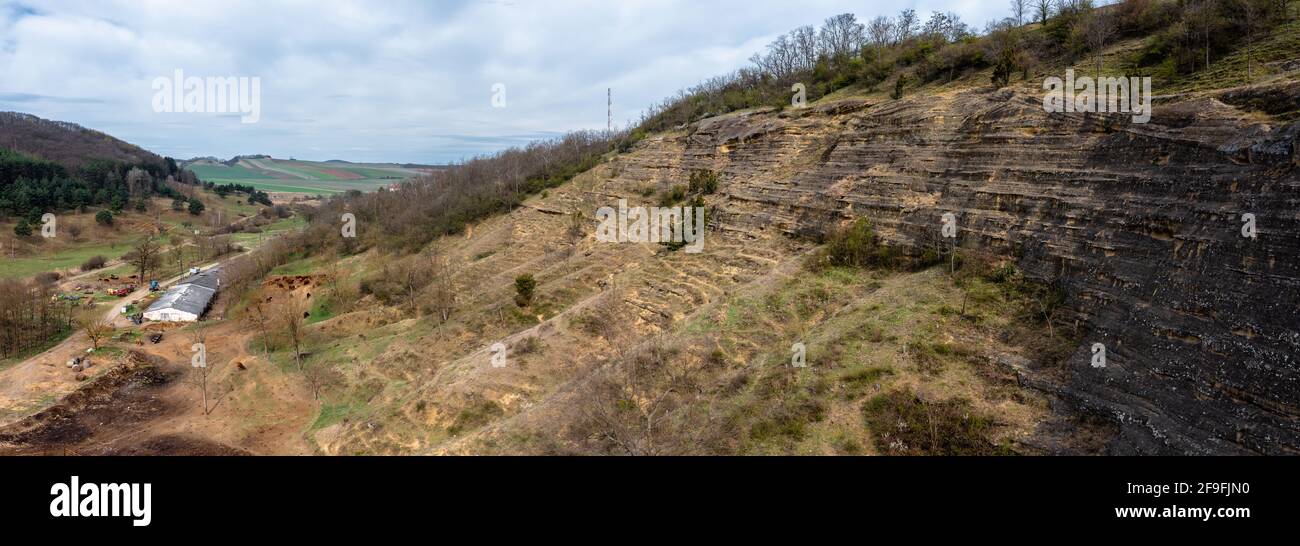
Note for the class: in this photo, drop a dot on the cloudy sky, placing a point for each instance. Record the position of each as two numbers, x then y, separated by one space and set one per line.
387 80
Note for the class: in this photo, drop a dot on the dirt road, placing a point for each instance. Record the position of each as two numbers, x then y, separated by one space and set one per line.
149 402
43 378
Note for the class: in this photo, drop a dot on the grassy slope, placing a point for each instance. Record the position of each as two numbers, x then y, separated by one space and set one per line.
870 336
62 253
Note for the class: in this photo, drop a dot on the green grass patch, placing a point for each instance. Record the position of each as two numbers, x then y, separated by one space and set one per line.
901 423
332 414
73 257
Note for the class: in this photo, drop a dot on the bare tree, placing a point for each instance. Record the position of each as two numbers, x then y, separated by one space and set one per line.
945 26
414 277
804 41
643 405
442 290
201 367
317 375
1043 9
1100 28
30 316
96 325
842 35
906 25
138 182
291 326
257 315
1249 13
1018 8
880 31
1201 17
144 256
75 229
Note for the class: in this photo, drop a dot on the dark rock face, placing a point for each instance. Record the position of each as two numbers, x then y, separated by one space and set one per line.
1141 225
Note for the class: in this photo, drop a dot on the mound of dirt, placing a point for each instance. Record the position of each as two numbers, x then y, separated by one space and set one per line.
171 444
290 283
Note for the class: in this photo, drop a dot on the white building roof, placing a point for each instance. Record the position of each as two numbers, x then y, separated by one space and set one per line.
190 298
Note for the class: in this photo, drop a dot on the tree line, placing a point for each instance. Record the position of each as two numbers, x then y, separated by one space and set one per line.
1188 35
254 195
445 201
30 187
30 318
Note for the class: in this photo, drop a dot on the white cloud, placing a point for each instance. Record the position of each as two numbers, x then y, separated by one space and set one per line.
385 80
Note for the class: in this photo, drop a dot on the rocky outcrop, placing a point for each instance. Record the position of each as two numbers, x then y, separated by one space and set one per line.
1141 225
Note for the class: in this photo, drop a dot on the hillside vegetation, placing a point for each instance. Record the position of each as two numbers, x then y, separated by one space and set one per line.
475 310
916 348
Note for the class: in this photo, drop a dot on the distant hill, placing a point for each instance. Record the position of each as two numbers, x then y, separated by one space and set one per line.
308 177
68 144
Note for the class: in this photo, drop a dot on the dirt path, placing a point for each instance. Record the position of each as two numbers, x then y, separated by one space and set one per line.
150 403
43 378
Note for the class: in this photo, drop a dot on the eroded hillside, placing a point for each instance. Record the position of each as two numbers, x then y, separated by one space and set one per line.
1138 225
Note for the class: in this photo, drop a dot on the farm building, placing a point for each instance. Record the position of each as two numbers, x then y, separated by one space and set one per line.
188 300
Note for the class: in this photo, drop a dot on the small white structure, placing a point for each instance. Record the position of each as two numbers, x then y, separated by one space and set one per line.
188 300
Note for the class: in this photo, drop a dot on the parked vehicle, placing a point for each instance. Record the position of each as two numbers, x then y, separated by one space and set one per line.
155 338
153 286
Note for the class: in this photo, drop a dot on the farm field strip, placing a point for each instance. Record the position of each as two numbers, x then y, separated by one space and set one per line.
305 177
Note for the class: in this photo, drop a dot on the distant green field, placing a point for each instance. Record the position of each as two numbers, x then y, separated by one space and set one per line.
306 177
28 266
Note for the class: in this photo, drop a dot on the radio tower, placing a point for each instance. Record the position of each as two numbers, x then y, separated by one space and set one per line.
609 110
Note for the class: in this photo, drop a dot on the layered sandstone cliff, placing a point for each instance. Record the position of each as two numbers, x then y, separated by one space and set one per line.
1139 224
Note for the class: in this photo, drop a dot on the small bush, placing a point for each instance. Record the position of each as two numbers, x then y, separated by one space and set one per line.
104 218
703 183
901 423
788 421
525 285
93 263
672 196
528 345
856 246
480 412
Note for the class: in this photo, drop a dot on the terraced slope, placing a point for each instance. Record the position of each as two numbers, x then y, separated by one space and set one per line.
1138 225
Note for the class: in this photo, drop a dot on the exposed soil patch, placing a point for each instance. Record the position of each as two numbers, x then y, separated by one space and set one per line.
106 416
171 444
